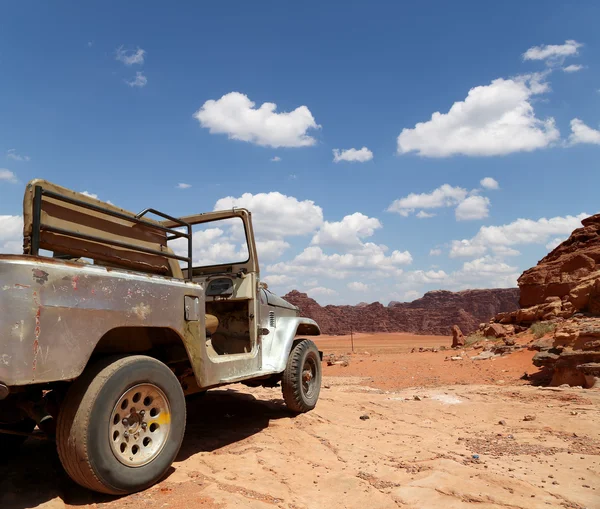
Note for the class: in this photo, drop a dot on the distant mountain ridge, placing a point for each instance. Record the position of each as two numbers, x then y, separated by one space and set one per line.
434 313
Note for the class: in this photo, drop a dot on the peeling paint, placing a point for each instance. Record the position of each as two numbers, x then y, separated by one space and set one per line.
40 276
142 311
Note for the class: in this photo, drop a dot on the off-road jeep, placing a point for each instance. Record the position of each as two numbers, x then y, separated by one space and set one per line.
107 323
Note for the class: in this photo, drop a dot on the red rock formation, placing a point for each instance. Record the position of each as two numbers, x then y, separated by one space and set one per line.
458 339
435 313
564 288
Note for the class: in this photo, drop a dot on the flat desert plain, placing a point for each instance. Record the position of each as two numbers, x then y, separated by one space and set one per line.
392 429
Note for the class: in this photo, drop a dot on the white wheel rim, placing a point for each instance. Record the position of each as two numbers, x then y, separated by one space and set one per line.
139 425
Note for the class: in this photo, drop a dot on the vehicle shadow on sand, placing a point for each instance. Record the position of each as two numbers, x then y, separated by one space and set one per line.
221 418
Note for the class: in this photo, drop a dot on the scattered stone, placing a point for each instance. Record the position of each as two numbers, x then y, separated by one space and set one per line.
502 422
495 330
417 398
529 418
364 417
484 355
456 358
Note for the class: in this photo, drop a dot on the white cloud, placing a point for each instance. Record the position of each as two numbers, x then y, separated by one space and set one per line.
473 207
139 81
435 252
311 282
11 153
8 176
234 114
357 286
313 261
320 291
520 231
270 250
130 57
494 119
346 233
183 185
573 68
581 133
352 155
11 234
411 295
275 215
424 215
553 53
275 159
91 195
443 196
554 243
279 280
489 183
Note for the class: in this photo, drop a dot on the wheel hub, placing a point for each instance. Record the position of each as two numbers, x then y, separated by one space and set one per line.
139 425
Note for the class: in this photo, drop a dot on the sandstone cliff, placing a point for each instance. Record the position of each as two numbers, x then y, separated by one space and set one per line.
435 313
564 290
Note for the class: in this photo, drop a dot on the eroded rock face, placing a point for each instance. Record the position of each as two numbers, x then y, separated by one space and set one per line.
574 352
564 288
435 313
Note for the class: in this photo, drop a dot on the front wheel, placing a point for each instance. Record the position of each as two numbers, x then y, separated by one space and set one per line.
301 382
121 424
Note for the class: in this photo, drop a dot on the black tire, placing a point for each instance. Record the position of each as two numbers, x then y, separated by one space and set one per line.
10 444
84 424
299 395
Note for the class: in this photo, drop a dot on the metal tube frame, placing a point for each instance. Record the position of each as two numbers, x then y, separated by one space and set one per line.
38 226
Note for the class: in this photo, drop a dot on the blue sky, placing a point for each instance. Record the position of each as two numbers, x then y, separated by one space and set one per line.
127 101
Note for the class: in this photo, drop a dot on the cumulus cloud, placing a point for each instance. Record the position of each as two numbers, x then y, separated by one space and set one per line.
320 291
279 280
424 215
435 252
275 159
7 176
554 243
130 57
234 114
444 196
572 68
494 119
91 195
11 153
582 133
139 81
473 207
489 183
357 286
352 155
270 250
276 215
183 185
553 54
519 232
313 261
348 232
11 234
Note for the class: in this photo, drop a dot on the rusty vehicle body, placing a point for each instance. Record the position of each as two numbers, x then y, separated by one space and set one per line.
97 282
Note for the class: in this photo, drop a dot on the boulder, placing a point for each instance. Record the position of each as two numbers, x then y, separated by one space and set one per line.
458 339
495 330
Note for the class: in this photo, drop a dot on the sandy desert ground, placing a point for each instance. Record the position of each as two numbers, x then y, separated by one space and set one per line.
392 429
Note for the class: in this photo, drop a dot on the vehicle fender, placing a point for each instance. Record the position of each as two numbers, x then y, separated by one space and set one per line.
288 329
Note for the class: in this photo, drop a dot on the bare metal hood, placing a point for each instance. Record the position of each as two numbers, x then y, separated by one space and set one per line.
274 300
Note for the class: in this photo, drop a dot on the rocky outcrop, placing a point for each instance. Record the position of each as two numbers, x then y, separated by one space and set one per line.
564 288
458 338
435 313
573 354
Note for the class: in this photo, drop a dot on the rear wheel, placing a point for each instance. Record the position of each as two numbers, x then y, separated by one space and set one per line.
301 382
121 425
